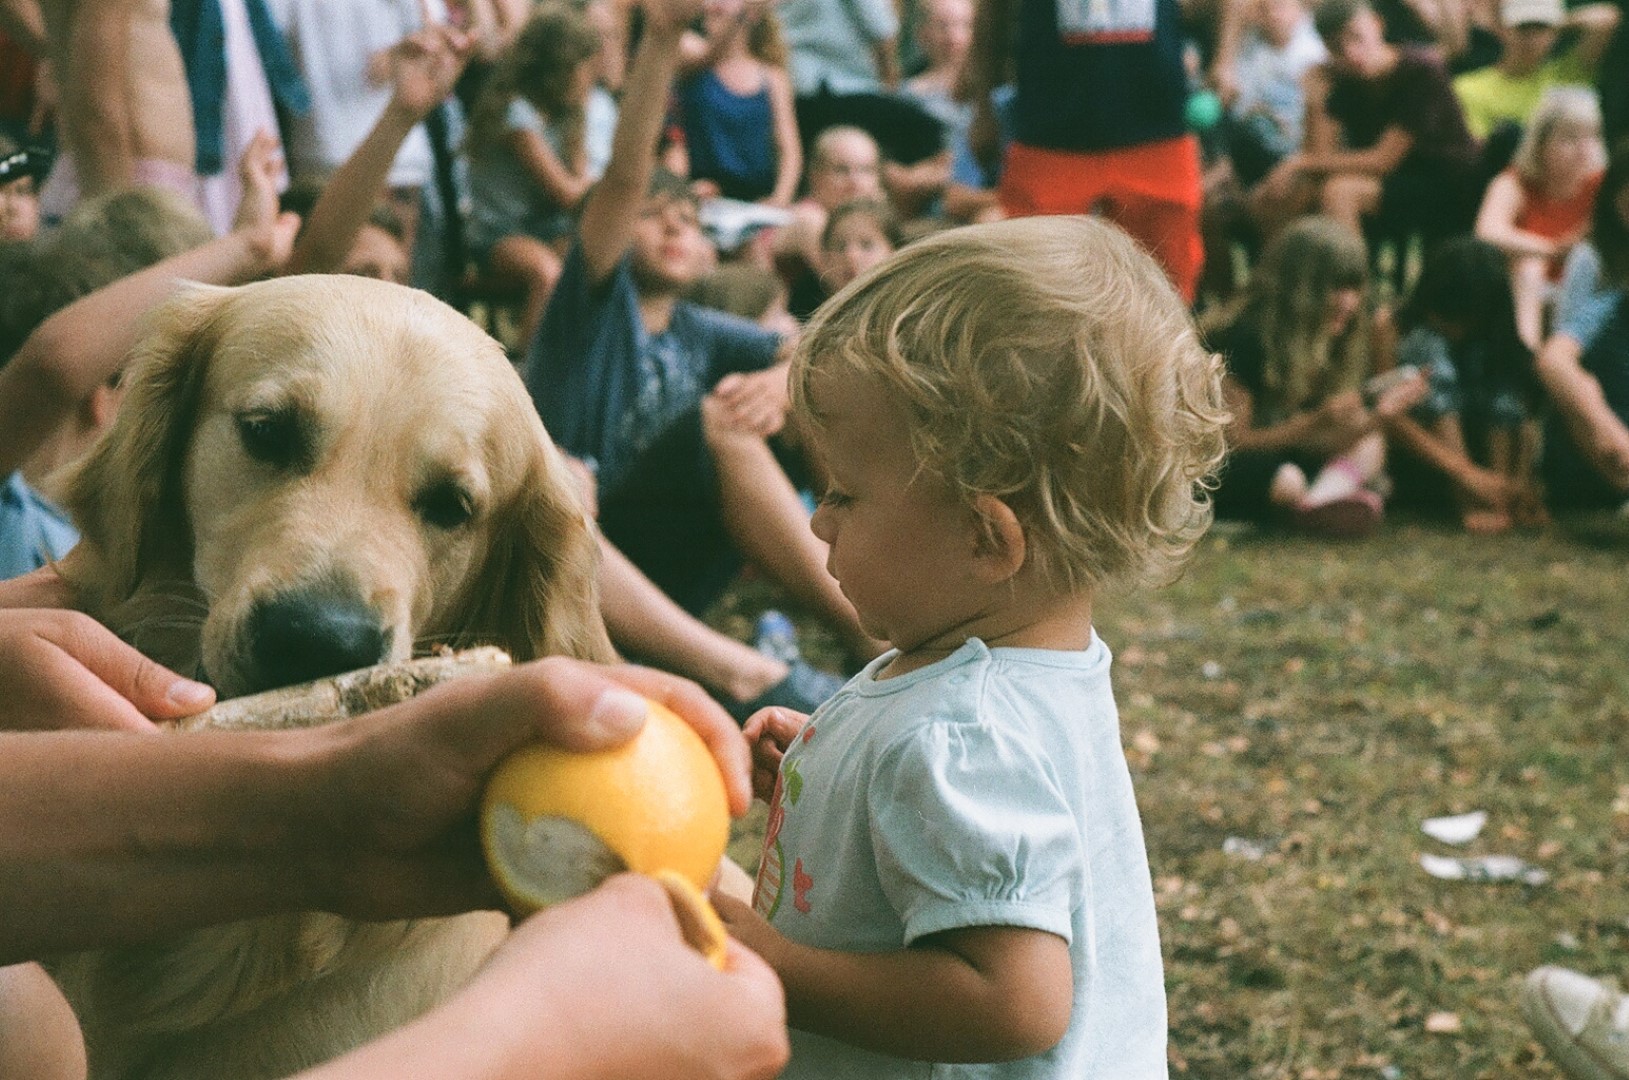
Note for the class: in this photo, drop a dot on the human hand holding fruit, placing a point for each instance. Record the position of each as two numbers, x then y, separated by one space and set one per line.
556 822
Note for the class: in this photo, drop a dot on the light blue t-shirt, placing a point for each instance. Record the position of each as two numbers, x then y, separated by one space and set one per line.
1585 302
32 529
832 43
989 789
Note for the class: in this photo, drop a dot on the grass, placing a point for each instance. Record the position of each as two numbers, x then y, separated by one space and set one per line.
1317 701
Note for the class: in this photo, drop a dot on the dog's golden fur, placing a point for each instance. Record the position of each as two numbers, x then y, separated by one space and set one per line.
328 434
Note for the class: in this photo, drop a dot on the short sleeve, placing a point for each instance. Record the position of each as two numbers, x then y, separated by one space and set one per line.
970 828
521 116
732 343
1584 304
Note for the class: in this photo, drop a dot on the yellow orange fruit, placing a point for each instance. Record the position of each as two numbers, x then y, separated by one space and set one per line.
555 823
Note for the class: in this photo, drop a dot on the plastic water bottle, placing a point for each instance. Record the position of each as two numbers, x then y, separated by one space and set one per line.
776 636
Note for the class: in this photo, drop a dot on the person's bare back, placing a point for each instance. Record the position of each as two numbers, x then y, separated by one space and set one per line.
125 114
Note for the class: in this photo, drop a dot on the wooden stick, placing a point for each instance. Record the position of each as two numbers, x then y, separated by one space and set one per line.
341 696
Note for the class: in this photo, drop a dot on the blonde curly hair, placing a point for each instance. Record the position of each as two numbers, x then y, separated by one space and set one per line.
1047 362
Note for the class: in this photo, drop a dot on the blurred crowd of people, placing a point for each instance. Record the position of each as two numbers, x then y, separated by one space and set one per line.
1404 224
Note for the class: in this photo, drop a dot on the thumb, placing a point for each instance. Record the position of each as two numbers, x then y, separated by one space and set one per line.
155 690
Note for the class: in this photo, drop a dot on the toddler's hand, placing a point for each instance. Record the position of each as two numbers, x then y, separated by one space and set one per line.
769 732
747 926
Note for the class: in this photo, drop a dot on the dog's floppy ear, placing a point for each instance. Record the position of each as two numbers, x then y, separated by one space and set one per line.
126 494
538 594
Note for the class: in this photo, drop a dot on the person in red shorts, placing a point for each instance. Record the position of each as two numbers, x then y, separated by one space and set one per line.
1098 118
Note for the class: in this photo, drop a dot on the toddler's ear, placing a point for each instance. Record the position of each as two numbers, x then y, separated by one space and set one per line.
1000 547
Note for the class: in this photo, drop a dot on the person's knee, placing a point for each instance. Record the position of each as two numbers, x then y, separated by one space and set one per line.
39 1036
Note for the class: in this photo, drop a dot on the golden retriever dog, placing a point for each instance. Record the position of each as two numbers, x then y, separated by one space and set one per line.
311 475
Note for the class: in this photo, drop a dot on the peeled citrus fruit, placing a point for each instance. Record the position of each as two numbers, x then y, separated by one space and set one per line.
555 823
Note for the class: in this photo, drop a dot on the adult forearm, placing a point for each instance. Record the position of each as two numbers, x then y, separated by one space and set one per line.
81 346
1439 454
146 834
644 96
96 97
1292 434
1514 241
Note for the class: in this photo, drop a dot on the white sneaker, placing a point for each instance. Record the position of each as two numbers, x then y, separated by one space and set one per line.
1583 1022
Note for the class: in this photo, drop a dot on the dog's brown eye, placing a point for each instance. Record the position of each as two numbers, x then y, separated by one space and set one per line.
272 437
446 506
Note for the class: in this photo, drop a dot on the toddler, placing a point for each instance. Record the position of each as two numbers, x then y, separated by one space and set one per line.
1011 417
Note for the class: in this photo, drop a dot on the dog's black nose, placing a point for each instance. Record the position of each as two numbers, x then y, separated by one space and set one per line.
299 636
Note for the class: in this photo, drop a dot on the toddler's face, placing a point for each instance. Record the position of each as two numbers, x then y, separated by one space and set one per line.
857 244
847 170
902 545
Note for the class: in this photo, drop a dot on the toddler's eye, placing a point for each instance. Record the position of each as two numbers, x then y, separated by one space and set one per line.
835 498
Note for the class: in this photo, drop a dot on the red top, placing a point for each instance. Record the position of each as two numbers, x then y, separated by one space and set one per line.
1556 219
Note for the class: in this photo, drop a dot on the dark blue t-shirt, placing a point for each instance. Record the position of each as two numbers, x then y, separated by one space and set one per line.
1096 75
605 388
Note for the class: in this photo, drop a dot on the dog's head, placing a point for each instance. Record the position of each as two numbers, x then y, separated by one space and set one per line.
342 470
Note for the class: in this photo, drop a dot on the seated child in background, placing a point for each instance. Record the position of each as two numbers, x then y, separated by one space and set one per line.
1473 432
858 236
1303 444
528 158
844 165
955 869
1539 207
1266 115
946 37
740 131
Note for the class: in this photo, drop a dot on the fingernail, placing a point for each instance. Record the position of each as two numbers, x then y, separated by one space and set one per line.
191 695
617 712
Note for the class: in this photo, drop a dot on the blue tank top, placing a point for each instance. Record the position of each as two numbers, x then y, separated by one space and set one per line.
731 138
